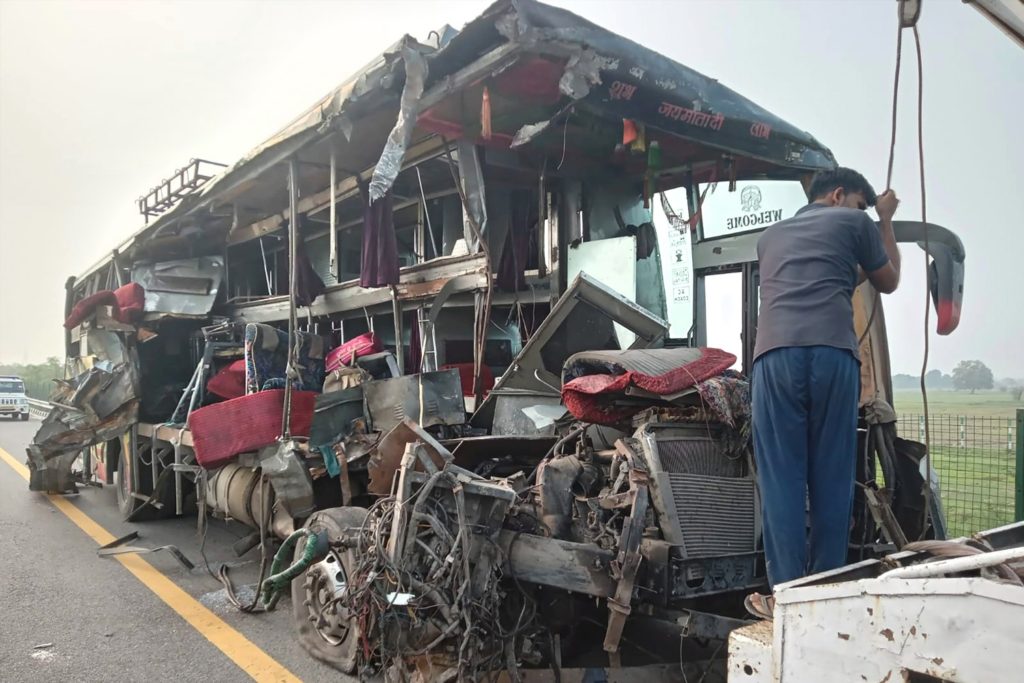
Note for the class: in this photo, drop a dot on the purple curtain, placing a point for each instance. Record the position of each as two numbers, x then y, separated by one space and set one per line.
379 266
308 284
415 351
512 266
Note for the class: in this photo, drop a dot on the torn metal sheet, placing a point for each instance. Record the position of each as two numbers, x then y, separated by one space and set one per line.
603 258
390 401
106 348
529 133
583 319
526 413
54 476
544 415
333 415
387 457
582 71
628 80
114 395
98 405
290 477
390 163
184 287
63 434
471 171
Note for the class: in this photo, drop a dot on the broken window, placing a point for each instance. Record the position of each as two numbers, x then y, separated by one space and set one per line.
428 222
617 221
258 268
723 295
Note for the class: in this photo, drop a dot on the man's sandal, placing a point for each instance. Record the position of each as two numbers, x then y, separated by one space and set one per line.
760 606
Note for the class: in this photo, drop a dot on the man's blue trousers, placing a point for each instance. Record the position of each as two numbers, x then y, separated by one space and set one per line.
805 445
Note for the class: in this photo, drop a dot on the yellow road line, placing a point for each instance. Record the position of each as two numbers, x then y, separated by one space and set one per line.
239 649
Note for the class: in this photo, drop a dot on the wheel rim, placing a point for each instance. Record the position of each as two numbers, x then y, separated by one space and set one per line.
325 581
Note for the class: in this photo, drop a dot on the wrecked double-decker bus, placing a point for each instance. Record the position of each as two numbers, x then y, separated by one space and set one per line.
469 335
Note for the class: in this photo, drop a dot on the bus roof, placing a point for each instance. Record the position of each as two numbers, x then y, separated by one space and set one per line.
634 83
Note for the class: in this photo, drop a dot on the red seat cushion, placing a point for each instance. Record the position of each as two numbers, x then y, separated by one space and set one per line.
84 308
363 345
242 425
128 303
229 382
592 398
131 300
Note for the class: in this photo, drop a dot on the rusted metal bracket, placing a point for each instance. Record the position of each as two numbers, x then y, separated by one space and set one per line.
629 557
117 547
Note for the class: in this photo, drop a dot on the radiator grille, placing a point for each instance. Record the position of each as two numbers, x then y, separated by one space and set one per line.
710 498
697 456
716 514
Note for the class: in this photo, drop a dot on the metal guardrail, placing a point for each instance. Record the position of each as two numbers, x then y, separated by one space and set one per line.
37 408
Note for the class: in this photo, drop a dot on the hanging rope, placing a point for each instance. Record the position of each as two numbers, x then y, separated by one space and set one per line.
927 297
892 156
895 103
909 20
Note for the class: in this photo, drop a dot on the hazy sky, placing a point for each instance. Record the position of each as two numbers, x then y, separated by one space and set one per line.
100 100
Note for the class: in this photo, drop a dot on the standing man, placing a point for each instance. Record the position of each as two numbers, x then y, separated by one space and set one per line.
806 376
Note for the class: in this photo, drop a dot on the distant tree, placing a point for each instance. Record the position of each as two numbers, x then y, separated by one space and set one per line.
936 379
904 381
972 375
38 377
1017 392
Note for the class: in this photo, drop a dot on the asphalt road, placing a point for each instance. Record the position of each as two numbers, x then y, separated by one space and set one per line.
67 614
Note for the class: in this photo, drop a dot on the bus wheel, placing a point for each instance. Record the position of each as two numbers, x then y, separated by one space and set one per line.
325 629
130 506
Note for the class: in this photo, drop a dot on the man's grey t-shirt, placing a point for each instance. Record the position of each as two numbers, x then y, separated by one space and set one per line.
808 269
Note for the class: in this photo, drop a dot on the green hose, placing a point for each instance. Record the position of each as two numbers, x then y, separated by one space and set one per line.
278 580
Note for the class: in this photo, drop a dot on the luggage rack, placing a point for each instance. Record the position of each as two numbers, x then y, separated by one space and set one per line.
184 181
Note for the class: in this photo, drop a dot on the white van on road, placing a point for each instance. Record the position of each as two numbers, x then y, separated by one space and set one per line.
13 401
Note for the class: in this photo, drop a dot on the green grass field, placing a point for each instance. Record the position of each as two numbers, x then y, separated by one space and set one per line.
973 439
982 403
977 487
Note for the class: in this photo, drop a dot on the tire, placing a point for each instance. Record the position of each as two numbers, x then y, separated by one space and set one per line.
335 643
24 417
128 505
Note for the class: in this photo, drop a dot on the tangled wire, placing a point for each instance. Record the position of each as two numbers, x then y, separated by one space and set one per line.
436 589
